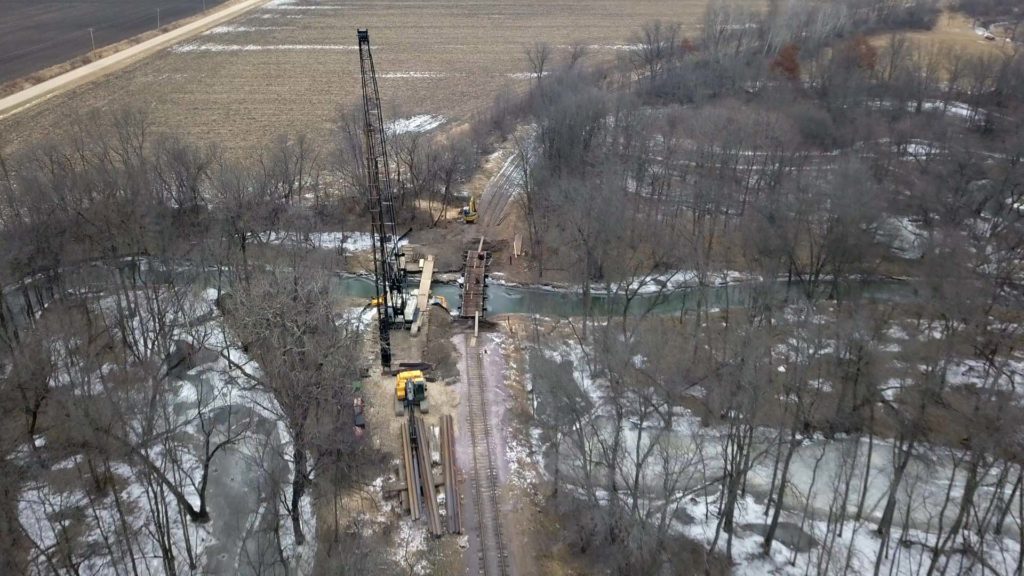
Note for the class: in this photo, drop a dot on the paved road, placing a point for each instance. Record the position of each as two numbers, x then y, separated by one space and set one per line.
21 100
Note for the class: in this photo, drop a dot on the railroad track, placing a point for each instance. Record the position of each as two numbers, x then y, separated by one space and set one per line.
484 479
499 191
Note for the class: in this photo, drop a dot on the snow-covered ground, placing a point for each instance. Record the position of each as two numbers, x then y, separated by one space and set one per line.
906 237
674 448
413 75
139 519
920 150
675 280
955 109
629 47
418 123
524 75
197 46
294 5
235 28
854 550
345 241
1006 375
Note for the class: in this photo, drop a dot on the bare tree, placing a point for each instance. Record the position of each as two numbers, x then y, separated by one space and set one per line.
306 353
538 56
577 53
657 44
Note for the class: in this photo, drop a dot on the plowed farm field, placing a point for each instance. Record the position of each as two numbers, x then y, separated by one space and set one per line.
35 34
289 66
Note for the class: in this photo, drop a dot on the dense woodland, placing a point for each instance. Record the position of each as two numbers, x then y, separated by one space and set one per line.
793 147
154 344
155 340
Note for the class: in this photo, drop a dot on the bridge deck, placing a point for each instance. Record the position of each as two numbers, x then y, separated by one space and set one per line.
473 288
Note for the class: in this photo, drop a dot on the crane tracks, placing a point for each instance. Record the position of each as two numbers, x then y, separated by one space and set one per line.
493 557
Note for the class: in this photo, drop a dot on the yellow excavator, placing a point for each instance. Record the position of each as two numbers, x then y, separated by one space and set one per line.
469 213
410 392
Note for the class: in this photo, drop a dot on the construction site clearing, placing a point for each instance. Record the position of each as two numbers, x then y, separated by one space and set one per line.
427 465
410 411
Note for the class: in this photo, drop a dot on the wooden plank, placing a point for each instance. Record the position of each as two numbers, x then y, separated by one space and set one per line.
423 295
391 489
425 279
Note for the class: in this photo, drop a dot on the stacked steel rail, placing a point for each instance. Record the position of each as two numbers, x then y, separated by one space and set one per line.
452 503
418 474
426 474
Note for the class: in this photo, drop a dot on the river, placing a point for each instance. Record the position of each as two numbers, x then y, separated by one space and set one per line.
519 299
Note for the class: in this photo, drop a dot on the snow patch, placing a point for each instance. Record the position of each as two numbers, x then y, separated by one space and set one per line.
291 5
604 46
521 468
1002 375
415 124
920 150
412 75
346 241
905 237
196 46
228 29
412 544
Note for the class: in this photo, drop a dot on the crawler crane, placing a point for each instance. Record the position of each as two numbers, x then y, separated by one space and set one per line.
388 262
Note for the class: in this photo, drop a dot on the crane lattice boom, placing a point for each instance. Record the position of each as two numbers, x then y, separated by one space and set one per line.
388 272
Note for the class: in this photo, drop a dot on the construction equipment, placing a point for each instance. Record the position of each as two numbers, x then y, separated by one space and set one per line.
469 213
388 266
411 392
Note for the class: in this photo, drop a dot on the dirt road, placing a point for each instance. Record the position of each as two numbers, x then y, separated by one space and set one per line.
21 100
